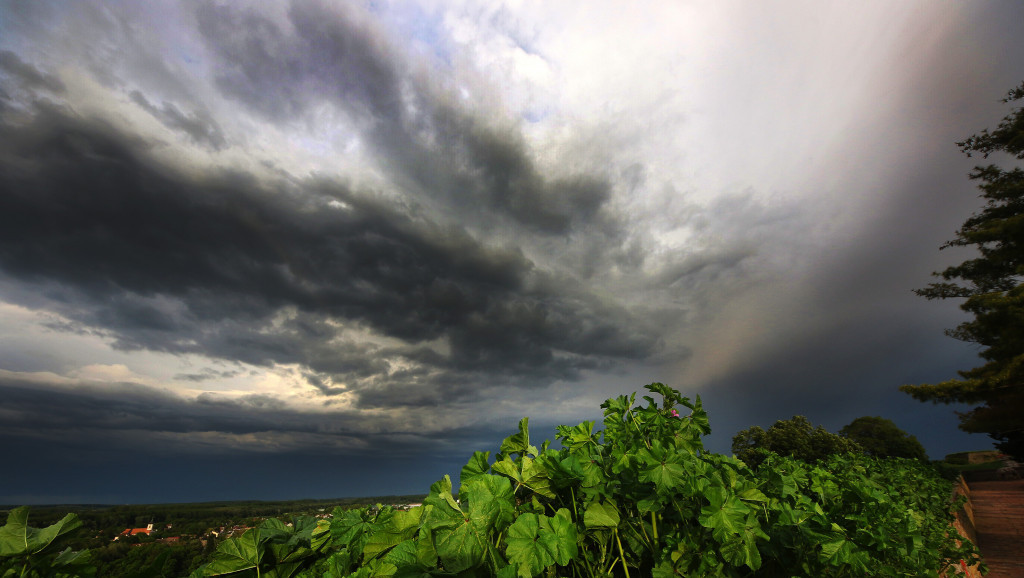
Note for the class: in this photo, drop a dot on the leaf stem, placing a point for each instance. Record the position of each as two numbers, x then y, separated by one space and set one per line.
622 553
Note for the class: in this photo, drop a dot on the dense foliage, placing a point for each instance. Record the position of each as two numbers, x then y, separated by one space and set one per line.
641 498
882 438
795 437
993 293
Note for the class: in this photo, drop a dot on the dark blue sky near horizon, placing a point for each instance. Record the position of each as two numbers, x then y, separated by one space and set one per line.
309 249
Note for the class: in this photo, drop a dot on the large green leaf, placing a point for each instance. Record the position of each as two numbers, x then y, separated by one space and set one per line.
526 472
235 555
403 555
661 467
519 443
740 551
460 546
458 542
18 539
478 465
725 515
320 535
601 515
397 528
752 495
349 528
283 549
536 542
77 563
698 417
491 502
563 469
836 550
577 437
615 408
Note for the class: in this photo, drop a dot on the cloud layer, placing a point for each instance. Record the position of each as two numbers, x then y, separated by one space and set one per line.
392 230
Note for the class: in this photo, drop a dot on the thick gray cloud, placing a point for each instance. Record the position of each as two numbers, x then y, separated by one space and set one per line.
125 412
127 442
172 264
443 150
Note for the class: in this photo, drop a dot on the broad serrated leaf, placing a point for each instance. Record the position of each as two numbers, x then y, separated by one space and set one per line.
426 554
661 467
837 550
724 519
403 554
740 551
536 542
457 541
235 555
478 465
349 528
752 495
526 472
577 437
519 443
79 561
441 486
563 470
399 527
17 538
459 546
699 418
491 503
601 515
564 547
664 476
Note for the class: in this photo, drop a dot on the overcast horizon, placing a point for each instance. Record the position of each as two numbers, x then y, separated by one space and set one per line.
323 249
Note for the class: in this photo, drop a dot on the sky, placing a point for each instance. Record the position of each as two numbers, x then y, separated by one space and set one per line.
310 249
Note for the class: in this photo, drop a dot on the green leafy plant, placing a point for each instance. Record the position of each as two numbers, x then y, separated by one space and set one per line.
271 550
41 552
643 498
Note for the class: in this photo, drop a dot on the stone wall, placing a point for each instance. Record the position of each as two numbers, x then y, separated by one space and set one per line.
964 524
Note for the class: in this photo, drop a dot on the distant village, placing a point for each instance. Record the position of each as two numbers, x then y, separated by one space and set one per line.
225 532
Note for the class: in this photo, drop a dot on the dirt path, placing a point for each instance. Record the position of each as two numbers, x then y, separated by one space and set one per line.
999 519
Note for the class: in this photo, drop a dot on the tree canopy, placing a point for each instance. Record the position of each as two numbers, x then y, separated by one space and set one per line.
795 437
990 285
881 438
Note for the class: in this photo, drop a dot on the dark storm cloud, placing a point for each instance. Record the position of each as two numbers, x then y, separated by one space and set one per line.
442 150
208 374
199 126
119 406
131 414
98 418
131 443
232 267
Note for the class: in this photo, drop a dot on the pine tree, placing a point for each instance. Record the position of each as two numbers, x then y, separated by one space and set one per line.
992 289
